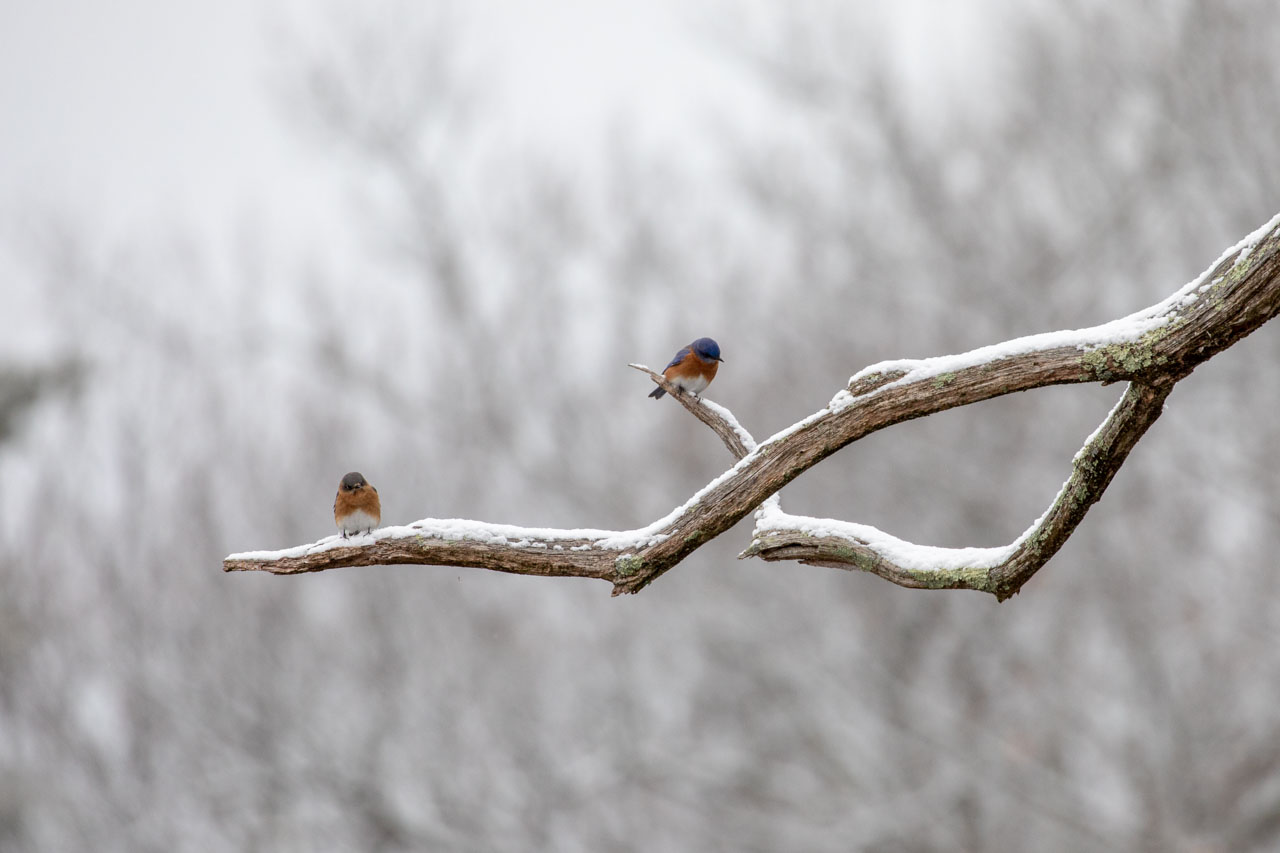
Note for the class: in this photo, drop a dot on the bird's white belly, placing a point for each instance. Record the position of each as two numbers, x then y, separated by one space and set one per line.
358 520
691 384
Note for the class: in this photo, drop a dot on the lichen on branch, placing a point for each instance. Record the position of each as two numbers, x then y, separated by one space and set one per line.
1152 350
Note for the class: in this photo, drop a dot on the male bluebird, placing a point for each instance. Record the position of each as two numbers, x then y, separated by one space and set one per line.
356 509
693 368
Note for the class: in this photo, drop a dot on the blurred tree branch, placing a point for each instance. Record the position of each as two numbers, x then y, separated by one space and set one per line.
22 387
1151 350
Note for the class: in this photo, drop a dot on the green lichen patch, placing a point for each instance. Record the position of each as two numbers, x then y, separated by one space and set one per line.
969 578
872 381
1115 362
628 564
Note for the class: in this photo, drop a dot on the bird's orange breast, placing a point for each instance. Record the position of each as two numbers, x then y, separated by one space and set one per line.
364 498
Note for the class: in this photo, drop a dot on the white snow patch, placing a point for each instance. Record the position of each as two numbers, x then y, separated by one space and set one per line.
486 533
1124 330
1246 246
907 555
1111 414
841 401
786 431
772 505
743 436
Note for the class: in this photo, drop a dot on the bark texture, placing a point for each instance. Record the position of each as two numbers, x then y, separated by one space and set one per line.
1151 350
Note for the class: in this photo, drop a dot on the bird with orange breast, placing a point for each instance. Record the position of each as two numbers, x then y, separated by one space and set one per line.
693 368
356 509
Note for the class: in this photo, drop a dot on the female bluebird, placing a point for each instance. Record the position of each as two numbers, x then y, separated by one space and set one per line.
356 509
693 368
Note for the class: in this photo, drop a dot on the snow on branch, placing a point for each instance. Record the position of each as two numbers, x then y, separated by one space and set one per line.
1151 350
720 419
1001 571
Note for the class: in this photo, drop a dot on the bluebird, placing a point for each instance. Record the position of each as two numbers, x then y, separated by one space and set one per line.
356 509
693 368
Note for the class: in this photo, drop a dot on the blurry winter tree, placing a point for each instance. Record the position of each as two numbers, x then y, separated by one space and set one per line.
148 703
22 386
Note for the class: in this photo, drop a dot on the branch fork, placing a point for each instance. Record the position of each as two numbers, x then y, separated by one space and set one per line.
1151 350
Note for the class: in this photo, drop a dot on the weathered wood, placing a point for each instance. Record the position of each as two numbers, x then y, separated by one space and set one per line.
1091 473
733 439
1165 343
538 558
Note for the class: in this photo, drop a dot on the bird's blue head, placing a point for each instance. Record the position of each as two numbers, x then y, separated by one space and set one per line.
707 348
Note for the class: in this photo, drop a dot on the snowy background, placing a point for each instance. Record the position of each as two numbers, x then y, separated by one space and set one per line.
244 250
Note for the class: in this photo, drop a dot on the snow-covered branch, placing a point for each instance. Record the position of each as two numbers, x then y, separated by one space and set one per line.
629 559
1001 571
719 419
1151 350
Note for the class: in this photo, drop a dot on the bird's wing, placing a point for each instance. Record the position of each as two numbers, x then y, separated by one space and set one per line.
680 356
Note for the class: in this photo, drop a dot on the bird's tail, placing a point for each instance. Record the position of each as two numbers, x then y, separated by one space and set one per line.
657 392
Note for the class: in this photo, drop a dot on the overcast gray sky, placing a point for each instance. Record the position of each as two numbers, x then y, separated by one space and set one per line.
127 113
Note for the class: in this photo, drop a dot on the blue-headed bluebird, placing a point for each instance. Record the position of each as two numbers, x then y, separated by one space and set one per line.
356 509
693 368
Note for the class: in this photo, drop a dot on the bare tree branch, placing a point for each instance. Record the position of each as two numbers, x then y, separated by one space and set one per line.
1001 571
721 421
1152 350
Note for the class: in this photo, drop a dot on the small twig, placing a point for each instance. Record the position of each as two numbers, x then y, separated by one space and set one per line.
720 420
1151 349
